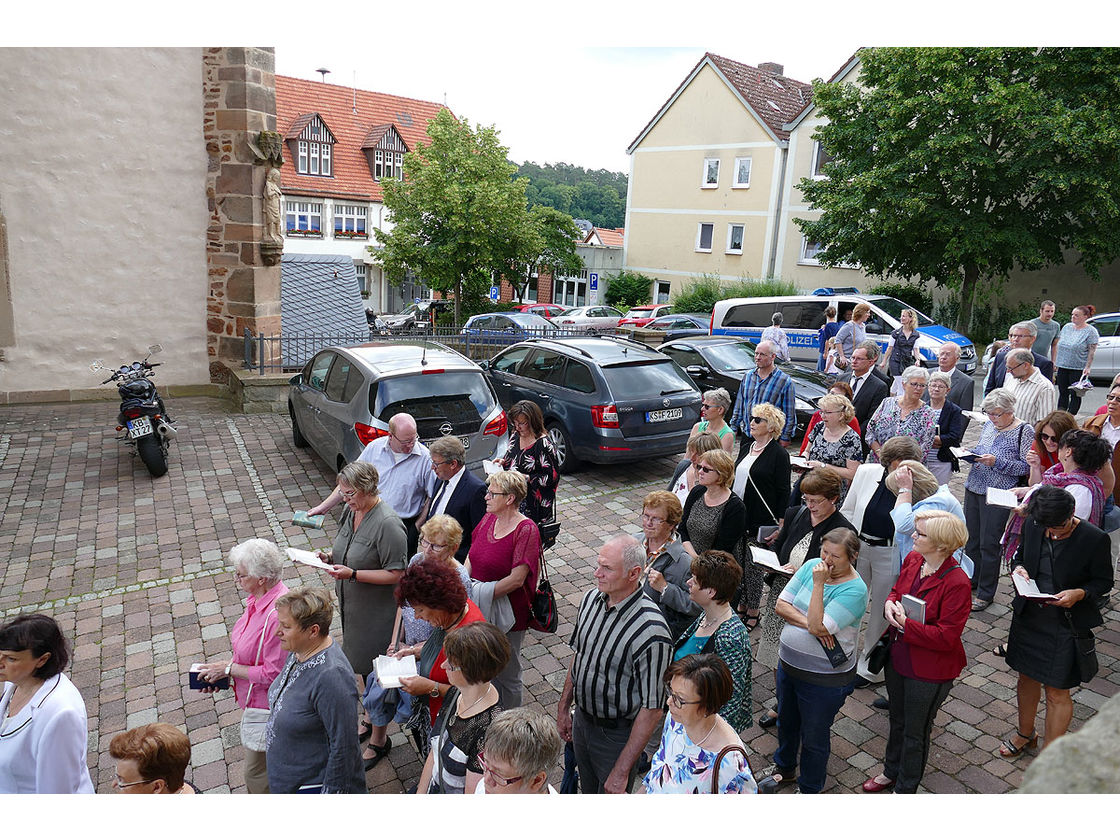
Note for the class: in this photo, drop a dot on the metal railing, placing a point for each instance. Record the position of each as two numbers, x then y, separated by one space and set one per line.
291 351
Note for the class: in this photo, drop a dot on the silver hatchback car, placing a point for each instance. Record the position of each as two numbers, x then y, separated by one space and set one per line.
344 396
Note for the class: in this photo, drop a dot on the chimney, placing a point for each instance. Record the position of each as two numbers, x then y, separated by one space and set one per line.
772 67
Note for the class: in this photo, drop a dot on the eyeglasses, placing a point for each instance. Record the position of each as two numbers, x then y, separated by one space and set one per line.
680 702
122 784
431 546
995 413
1013 368
242 575
436 463
705 406
404 441
348 494
757 419
1045 436
492 493
502 781
1112 398
704 469
656 520
449 668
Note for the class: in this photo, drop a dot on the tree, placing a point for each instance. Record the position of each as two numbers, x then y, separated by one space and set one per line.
553 247
459 217
629 288
959 165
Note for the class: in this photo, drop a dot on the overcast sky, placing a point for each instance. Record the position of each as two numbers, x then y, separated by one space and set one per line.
572 82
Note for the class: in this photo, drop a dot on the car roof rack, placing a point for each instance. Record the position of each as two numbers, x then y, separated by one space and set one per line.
623 339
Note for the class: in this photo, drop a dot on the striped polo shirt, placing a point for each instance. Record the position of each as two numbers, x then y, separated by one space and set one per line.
621 654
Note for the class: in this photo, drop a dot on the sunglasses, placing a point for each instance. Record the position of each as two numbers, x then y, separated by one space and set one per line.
1045 436
703 469
757 419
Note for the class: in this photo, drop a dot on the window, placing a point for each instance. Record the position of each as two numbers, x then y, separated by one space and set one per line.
388 164
735 239
378 164
662 292
362 270
809 250
343 381
749 315
315 374
803 315
820 158
510 360
313 150
398 165
711 174
577 376
304 218
704 237
545 366
742 173
350 221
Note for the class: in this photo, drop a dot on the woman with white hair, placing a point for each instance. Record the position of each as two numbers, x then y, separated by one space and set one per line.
951 424
905 416
900 350
1001 462
774 333
257 656
713 409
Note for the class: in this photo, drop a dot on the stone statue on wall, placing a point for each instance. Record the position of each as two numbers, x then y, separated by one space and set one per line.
272 211
268 150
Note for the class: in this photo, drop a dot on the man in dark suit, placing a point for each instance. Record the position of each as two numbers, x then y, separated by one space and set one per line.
1020 336
869 386
962 392
456 491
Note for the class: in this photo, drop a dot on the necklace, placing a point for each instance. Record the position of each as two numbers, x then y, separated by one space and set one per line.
704 622
755 448
462 615
462 713
711 729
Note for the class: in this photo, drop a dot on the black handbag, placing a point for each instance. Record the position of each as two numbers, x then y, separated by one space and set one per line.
550 530
879 653
542 606
1087 664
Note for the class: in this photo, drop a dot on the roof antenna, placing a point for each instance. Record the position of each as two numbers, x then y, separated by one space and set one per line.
324 71
355 88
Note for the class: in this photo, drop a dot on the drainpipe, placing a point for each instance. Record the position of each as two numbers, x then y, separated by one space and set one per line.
778 215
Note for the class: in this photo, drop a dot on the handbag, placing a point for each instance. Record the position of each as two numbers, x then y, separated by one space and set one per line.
1087 664
550 530
254 722
719 761
542 606
879 653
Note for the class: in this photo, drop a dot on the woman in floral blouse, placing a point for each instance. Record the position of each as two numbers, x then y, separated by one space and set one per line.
530 453
907 416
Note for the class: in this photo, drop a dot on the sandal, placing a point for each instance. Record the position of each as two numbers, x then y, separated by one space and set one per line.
1000 651
1009 750
749 621
365 729
378 754
774 778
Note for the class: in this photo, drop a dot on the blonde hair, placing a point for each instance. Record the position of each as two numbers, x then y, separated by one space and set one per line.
443 527
925 483
722 463
702 442
945 530
775 418
510 482
860 309
832 402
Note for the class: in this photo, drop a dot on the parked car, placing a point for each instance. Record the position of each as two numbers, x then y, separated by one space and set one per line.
589 319
344 396
639 316
720 361
498 328
604 400
681 325
545 310
416 317
1106 361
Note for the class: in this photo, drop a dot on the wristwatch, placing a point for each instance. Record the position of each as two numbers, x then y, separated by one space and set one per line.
435 691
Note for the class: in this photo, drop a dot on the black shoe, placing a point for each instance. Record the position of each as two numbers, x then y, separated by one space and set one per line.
776 778
862 682
378 754
766 721
881 703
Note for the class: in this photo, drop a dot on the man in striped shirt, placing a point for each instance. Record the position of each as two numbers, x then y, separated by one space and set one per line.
765 384
622 648
1035 395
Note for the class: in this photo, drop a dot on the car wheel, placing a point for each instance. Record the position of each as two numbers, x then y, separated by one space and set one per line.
298 440
567 462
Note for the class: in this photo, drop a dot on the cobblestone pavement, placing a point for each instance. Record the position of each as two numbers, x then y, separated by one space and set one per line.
134 570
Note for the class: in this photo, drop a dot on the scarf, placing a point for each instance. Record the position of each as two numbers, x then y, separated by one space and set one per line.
1056 476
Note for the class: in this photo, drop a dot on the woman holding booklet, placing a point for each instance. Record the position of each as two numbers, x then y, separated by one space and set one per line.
1050 642
927 611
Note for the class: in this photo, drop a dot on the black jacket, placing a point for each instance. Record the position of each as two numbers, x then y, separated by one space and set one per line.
950 427
769 481
1085 564
874 391
467 506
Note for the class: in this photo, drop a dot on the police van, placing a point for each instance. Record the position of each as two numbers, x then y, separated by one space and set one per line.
803 316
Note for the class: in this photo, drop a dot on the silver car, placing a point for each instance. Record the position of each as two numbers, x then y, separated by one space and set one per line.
589 319
344 396
1106 361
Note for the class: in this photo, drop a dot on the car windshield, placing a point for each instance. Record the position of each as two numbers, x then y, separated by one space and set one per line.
531 321
457 396
732 356
640 312
893 307
646 380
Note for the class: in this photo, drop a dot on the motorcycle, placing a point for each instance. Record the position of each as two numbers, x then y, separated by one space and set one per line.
142 420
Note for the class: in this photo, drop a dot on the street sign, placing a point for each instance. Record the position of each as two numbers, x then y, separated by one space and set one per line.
493 293
593 281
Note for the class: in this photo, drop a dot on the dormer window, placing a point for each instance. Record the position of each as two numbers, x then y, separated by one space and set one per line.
385 151
313 142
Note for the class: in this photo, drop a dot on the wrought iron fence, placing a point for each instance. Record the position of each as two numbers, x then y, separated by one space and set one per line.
291 351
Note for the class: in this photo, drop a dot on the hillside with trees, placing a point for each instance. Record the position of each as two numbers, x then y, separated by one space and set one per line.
596 195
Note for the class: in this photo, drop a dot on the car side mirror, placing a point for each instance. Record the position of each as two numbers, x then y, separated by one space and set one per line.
484 364
697 370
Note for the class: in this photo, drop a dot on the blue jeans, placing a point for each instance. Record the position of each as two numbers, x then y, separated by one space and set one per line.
805 715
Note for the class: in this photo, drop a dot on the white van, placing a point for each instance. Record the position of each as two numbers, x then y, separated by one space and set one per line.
803 316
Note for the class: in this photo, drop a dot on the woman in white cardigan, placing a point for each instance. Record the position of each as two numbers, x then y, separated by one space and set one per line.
868 507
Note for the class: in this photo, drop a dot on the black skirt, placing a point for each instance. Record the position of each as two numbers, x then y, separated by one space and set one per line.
1041 646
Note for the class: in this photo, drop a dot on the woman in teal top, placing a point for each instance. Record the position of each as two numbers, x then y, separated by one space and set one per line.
713 408
714 582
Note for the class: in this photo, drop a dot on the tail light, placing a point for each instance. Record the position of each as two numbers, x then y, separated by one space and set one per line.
712 322
131 413
433 370
497 426
368 434
604 416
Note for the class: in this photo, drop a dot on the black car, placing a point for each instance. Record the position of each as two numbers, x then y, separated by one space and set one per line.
716 361
682 325
604 400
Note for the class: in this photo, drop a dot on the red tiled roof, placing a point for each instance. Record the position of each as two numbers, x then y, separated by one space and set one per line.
610 237
758 87
299 98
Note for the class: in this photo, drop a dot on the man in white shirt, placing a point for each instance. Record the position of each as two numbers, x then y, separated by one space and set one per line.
1035 395
455 490
403 469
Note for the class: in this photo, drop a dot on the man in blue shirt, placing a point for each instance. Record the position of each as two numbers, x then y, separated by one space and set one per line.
765 384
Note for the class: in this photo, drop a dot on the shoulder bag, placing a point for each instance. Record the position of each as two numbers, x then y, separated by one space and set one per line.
542 612
254 722
1087 665
719 761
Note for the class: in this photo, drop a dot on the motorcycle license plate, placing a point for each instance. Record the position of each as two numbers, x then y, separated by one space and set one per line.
139 427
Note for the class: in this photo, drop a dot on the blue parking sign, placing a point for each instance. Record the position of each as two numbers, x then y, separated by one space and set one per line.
493 293
593 281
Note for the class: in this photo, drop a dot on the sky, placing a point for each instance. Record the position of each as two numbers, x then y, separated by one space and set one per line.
572 82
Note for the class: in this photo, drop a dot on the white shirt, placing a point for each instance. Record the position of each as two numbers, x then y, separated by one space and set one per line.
1035 396
1110 433
452 483
43 746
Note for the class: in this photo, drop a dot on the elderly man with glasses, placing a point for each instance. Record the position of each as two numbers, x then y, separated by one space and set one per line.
404 467
1021 336
1035 395
765 384
455 490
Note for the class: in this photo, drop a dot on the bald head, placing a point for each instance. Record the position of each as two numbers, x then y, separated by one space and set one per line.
402 433
948 355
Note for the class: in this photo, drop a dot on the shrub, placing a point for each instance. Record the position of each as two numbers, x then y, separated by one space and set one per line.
916 296
628 288
705 290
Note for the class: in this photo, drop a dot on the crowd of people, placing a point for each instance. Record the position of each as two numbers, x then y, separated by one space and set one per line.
851 566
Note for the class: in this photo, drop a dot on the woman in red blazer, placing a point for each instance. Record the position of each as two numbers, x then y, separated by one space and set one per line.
925 656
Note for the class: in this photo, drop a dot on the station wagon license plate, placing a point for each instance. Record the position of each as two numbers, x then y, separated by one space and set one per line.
139 427
665 414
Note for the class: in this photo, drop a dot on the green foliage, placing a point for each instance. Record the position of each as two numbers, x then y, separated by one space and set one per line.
628 288
958 165
917 296
459 216
705 290
991 320
555 249
598 196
